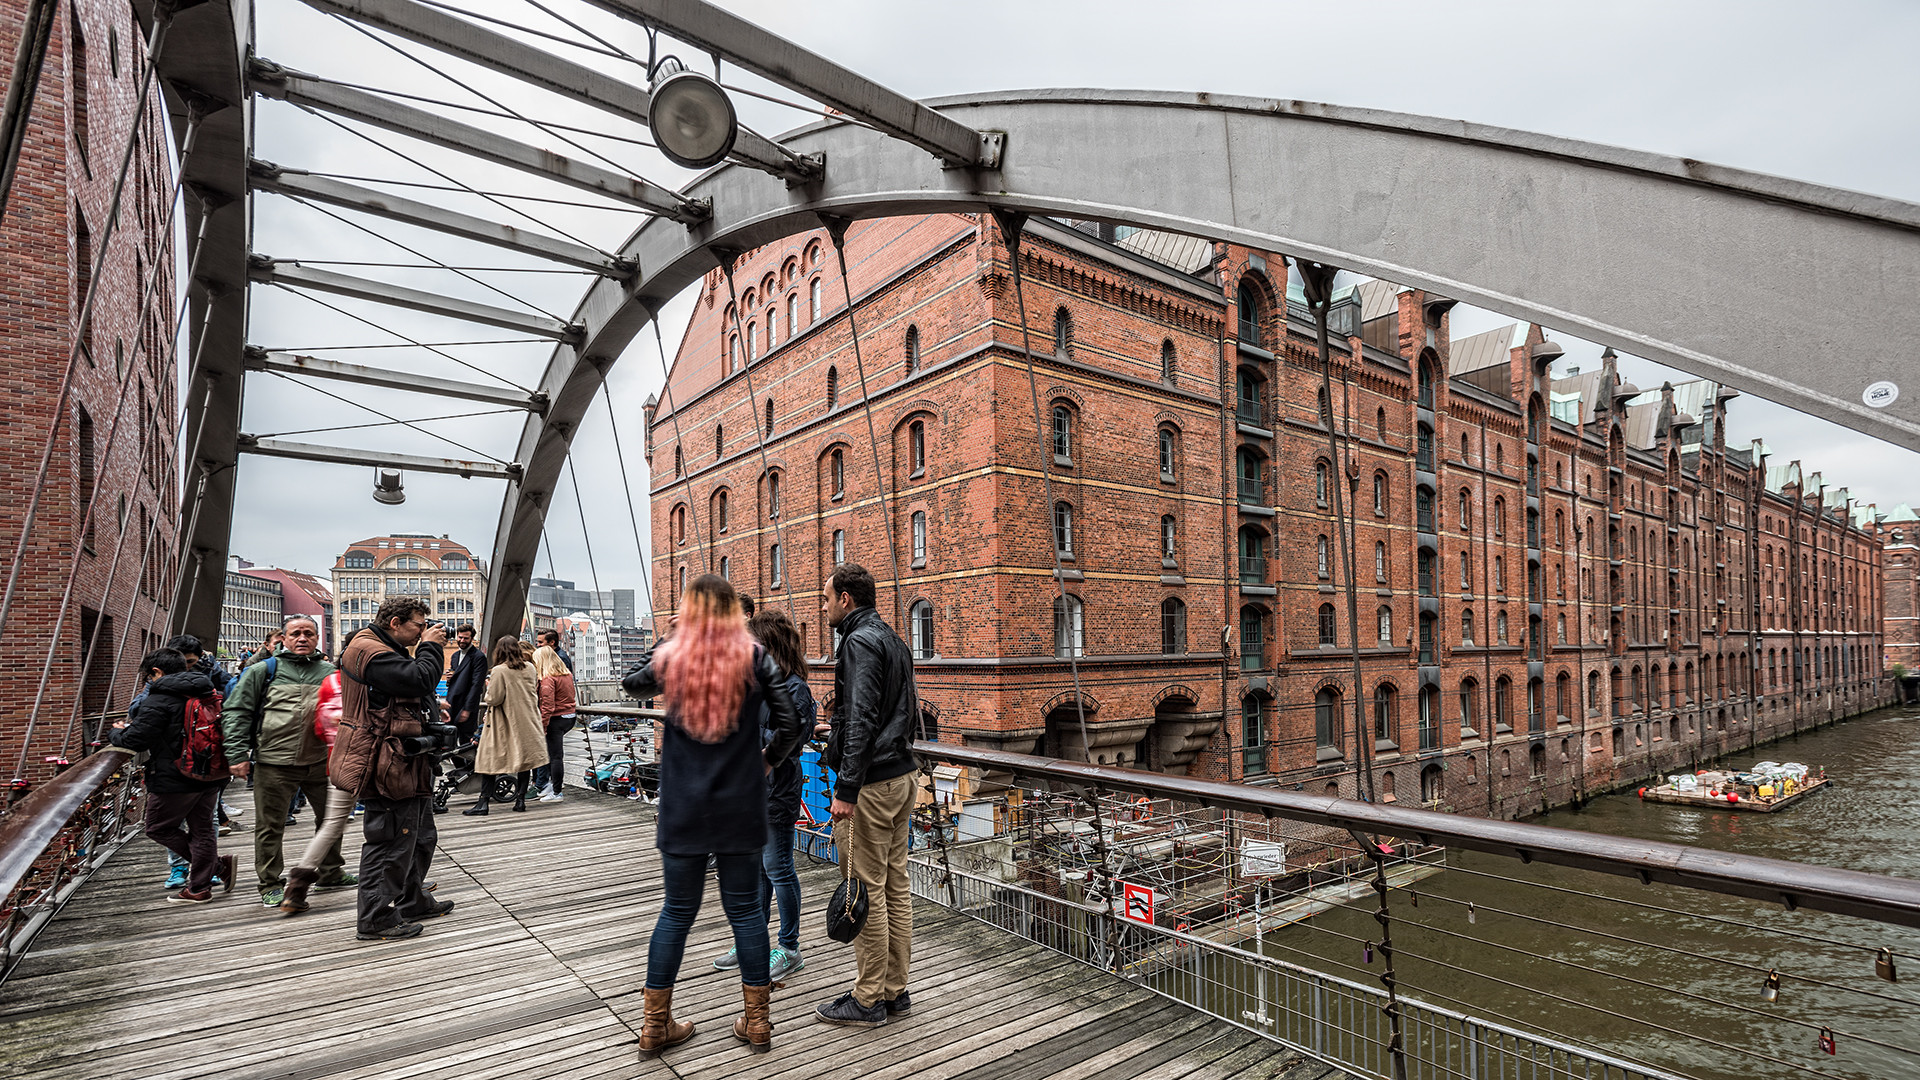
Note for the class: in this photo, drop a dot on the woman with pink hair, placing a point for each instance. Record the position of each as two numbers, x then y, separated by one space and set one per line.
713 796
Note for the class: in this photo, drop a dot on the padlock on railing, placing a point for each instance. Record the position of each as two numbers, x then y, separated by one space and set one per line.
1827 1041
1883 965
1770 990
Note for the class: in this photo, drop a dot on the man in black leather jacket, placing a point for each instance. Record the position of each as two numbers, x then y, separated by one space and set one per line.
870 751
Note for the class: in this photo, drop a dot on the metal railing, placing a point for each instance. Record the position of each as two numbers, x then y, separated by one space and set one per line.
1253 569
1249 411
1251 490
54 838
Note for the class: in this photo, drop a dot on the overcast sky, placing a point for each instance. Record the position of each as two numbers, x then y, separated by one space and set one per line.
1830 95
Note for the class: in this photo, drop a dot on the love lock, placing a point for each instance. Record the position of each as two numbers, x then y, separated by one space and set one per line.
1367 952
1770 990
1883 965
1826 1041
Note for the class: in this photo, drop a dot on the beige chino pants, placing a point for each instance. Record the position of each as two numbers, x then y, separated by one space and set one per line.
876 839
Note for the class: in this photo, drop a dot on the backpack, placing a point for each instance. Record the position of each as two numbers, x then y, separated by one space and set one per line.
203 753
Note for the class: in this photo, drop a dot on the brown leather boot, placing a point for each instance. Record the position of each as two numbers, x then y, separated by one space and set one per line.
756 1026
299 880
657 1029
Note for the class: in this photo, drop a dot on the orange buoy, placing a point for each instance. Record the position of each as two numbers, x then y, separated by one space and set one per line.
1643 793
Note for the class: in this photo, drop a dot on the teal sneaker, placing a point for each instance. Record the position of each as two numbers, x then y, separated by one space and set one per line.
272 897
177 877
726 961
782 963
344 881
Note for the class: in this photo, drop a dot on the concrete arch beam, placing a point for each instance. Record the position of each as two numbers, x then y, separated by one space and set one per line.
1796 292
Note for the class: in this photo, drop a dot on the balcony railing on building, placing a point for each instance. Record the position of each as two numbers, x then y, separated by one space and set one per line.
1253 570
1248 411
1250 490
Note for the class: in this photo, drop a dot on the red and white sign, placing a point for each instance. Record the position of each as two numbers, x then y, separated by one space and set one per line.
1138 903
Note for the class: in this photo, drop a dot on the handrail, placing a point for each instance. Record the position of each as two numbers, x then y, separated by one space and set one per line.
32 824
80 816
1876 897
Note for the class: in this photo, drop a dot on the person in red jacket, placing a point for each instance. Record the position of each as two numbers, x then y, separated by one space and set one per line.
557 714
302 875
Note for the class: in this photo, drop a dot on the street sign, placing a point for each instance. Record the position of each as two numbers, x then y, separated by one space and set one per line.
1262 858
1139 903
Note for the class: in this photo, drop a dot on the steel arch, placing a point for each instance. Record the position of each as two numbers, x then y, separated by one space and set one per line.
1796 292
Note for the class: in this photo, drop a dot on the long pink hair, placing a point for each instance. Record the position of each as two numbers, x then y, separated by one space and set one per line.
708 660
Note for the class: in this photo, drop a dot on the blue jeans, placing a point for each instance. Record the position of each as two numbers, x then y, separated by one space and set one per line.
685 879
780 882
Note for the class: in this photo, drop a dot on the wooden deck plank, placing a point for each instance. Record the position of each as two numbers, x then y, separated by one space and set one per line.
537 974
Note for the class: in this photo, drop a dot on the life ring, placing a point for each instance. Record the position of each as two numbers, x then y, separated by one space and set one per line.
1140 809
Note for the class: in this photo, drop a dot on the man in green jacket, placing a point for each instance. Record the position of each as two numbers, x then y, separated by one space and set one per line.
268 724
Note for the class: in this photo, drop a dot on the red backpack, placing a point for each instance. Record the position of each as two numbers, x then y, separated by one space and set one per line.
203 754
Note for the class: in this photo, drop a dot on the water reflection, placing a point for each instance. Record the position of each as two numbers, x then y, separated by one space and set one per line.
1559 951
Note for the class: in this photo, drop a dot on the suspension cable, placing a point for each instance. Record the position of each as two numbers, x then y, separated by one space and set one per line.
434 349
760 443
679 448
355 178
551 126
388 423
162 20
619 455
390 419
586 535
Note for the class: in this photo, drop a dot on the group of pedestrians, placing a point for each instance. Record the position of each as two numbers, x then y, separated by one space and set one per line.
738 711
732 733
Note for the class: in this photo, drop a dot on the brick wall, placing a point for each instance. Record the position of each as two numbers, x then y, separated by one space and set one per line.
123 385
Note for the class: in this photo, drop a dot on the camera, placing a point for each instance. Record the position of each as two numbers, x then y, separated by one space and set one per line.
438 740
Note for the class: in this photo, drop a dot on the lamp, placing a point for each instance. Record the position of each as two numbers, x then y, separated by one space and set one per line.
388 488
693 122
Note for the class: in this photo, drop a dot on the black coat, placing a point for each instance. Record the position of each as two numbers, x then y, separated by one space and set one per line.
713 796
876 706
469 683
784 783
158 723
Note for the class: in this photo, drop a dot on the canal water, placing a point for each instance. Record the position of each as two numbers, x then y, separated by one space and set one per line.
1593 959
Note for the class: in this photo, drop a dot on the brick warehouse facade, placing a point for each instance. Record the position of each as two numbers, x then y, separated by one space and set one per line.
1564 584
1901 531
115 434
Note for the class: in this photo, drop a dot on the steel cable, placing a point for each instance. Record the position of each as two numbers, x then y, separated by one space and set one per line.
436 350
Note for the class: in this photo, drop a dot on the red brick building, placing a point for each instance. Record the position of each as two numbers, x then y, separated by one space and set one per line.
1900 534
1555 589
114 431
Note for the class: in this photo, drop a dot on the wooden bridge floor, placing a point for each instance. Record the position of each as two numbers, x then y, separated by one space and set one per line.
537 974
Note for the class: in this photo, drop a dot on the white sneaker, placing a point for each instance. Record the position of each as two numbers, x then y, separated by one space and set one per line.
545 790
553 796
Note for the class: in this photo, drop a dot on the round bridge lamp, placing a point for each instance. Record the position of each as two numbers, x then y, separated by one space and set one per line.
693 122
387 487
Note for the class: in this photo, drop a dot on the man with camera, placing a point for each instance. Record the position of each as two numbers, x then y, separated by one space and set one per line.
391 731
267 723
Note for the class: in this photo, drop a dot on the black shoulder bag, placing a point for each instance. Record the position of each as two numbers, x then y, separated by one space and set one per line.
847 911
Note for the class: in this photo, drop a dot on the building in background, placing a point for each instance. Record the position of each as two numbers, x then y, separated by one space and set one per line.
590 644
612 607
301 594
59 246
1900 535
1545 586
629 645
250 612
439 571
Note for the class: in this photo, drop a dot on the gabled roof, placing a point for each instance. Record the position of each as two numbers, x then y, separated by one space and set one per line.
1494 348
1900 513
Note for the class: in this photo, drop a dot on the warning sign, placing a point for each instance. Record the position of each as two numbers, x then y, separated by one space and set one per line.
1139 903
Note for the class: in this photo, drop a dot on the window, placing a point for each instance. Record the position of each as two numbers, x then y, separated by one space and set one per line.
1500 628
1248 408
1431 790
1379 495
813 302
1426 639
773 494
719 440
1253 734
85 449
1469 704
1249 477
1253 556
1428 570
1379 560
1325 409
1320 483
833 387
1466 512
919 538
726 568
1560 627
1250 314
793 315
1168 530
839 546
921 617
1328 633
1500 574
679 464
1326 718
359 560
1173 626
1385 630
777 565
1062 434
1166 361
1062 332
1069 626
751 330
837 472
912 348
1503 704
720 512
1166 454
1499 518
1063 529
1321 550
1423 510
1429 719
917 448
1466 627
77 42
733 354
769 416
1253 639
1386 725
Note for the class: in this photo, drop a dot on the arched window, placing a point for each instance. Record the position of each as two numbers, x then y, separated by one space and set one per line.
769 416
1166 454
1466 627
1379 560
1503 704
917 447
839 546
919 538
1380 424
1386 719
1253 638
1250 314
1563 696
777 565
1062 332
726 568
1466 512
1500 628
773 494
1431 786
720 512
719 440
1499 518
1253 556
1325 408
752 328
1166 361
1253 734
837 472
912 348
1385 629
1379 494
1069 626
793 315
1326 718
833 387
813 302
1063 529
1249 408
1328 633
1169 530
733 354
1250 476
1062 433
921 616
679 464
1500 574
1320 483
679 520
1173 626
1322 550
